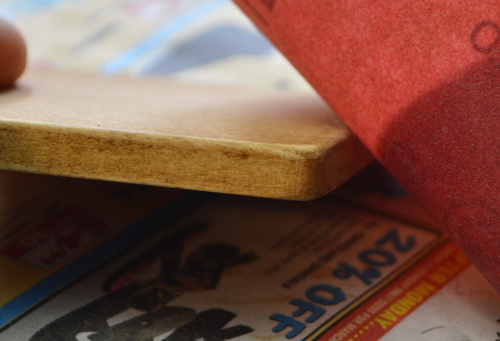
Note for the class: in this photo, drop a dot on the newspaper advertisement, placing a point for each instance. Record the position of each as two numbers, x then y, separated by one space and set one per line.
257 269
53 230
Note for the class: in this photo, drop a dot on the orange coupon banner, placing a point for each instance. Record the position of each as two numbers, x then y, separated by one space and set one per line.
378 315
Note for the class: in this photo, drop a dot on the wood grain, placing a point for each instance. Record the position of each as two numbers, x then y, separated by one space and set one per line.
152 131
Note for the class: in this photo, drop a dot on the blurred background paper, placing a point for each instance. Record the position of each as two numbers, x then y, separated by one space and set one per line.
204 41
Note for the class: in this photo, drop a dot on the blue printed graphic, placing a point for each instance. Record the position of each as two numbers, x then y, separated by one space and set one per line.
161 35
215 44
14 8
104 252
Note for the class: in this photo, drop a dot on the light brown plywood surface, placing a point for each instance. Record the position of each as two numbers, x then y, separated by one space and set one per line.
152 131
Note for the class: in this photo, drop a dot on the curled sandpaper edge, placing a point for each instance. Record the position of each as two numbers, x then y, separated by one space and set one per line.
419 83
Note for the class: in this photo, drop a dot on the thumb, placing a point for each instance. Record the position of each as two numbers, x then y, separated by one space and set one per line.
12 54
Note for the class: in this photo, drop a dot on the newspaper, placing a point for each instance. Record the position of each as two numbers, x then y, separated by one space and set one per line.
90 260
54 229
203 41
261 269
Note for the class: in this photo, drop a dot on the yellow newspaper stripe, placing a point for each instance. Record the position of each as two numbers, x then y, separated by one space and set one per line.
16 277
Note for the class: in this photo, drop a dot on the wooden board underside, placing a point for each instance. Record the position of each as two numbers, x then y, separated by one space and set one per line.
157 132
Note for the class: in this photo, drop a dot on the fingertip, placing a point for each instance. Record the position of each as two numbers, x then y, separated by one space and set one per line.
13 54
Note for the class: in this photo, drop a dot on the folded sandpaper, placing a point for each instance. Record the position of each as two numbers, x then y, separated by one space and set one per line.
419 83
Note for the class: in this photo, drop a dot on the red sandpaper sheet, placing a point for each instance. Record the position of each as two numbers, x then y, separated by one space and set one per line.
419 83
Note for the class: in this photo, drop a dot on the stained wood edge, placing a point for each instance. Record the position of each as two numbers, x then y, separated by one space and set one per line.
262 170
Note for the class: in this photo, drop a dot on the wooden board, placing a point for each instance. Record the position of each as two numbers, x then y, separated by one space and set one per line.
152 131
